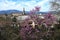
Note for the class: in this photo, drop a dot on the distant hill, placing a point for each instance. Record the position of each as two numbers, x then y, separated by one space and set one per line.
55 12
27 12
9 11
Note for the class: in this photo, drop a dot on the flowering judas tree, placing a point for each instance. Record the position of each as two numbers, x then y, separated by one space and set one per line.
28 30
32 28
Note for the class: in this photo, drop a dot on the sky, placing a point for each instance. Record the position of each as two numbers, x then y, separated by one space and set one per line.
27 4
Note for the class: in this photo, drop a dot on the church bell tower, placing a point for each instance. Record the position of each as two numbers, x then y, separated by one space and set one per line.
23 11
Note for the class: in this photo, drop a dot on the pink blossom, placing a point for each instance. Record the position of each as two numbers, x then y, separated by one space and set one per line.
37 8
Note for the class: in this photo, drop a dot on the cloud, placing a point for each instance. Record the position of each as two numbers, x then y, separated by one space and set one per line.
27 4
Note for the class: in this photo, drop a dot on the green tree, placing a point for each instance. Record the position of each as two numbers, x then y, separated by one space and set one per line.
55 5
9 33
14 19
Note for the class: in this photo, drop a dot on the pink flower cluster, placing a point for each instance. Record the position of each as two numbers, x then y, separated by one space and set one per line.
28 31
50 19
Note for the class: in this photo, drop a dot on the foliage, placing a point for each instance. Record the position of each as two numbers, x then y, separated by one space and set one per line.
55 5
9 33
14 19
